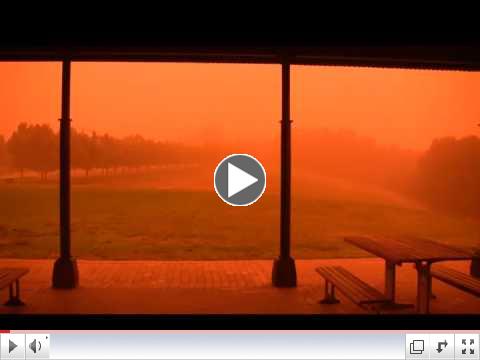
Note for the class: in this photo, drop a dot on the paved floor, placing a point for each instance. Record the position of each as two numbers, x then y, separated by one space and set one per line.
210 287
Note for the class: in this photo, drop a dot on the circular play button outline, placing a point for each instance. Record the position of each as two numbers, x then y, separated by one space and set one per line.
240 197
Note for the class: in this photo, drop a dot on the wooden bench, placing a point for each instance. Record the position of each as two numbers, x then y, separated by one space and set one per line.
457 279
351 286
10 277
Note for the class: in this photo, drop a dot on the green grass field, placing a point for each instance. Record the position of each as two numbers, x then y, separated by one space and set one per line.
142 222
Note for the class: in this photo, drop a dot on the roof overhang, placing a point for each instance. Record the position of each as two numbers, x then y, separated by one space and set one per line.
412 55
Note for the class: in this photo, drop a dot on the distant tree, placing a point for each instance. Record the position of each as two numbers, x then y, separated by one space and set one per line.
95 150
109 152
34 147
448 175
3 152
84 151
346 155
137 152
44 156
18 148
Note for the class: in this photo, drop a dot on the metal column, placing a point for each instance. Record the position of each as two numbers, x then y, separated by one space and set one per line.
284 272
65 271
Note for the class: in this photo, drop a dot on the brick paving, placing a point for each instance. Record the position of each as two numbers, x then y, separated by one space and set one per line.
242 286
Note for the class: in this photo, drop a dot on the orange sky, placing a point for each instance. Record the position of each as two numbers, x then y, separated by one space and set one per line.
203 102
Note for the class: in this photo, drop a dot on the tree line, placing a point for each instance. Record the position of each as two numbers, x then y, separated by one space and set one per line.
448 175
444 177
36 148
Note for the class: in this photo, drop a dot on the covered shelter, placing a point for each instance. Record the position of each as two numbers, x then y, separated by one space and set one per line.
461 56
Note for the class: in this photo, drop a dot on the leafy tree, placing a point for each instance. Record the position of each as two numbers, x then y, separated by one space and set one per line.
44 156
34 147
449 173
84 151
18 148
3 152
107 152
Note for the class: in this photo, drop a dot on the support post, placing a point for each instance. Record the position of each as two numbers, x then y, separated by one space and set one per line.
65 270
284 273
390 288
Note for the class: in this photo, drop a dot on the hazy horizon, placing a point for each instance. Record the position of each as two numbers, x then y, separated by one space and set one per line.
191 103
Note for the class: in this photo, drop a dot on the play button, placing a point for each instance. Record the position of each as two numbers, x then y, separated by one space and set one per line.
11 346
240 180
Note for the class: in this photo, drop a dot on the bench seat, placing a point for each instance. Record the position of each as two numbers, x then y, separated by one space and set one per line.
458 279
10 277
349 285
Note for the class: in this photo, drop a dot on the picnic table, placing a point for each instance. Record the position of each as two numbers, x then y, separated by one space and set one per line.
407 249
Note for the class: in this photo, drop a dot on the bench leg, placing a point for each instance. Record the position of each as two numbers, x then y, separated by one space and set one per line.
432 295
14 299
329 294
375 308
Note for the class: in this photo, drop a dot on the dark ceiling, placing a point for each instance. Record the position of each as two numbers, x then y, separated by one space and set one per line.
385 50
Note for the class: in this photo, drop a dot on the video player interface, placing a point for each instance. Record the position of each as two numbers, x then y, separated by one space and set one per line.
149 184
394 345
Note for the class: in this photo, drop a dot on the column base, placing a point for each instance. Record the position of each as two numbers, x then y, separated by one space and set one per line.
65 274
284 273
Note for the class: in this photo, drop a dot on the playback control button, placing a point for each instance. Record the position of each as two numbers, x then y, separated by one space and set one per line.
37 346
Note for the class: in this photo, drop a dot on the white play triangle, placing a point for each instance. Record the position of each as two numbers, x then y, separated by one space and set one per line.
238 180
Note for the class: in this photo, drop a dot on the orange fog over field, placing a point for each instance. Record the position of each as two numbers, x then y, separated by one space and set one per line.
384 171
202 103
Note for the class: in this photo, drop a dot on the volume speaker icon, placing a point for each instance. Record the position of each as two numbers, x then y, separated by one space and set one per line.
35 346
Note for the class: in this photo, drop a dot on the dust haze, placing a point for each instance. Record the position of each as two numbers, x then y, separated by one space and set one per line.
373 151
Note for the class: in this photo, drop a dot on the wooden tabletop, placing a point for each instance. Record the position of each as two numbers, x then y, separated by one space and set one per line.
408 249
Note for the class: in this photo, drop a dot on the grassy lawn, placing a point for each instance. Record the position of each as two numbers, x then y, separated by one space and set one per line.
121 222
